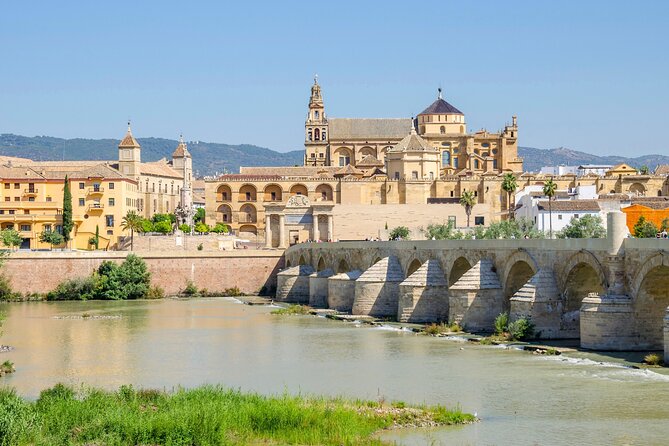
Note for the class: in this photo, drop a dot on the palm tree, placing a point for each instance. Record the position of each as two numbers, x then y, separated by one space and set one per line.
468 200
509 186
133 222
549 190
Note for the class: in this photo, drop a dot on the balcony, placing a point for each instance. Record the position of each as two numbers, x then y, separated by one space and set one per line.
95 191
95 207
30 192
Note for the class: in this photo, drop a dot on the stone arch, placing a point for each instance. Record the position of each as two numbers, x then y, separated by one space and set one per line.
321 264
458 269
248 192
288 264
273 192
248 214
299 189
324 192
343 266
413 267
650 307
637 188
588 258
518 256
365 151
649 263
342 152
302 260
248 231
582 277
223 193
224 213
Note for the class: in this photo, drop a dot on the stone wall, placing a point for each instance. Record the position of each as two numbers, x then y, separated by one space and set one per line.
174 242
250 271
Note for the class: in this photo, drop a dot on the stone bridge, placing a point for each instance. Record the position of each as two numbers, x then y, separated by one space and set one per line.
611 293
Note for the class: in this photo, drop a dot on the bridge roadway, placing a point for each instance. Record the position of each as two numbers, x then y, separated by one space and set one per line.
611 293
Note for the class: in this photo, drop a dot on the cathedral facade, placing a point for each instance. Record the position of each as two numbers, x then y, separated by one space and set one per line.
343 141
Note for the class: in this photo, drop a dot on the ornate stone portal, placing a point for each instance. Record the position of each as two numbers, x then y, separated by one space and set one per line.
296 221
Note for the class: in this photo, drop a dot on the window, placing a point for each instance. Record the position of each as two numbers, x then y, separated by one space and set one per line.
313 155
432 175
12 212
317 134
311 135
7 185
316 114
17 198
494 164
47 228
476 164
110 232
25 228
414 175
111 185
455 162
82 202
112 202
109 220
8 199
248 196
323 135
320 155
48 199
575 215
479 221
397 175
17 186
82 185
445 158
273 196
26 211
59 229
153 187
344 160
2 211
31 198
452 220
451 194
559 216
442 129
224 195
31 187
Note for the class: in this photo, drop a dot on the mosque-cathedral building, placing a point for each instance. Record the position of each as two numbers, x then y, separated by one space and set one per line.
362 176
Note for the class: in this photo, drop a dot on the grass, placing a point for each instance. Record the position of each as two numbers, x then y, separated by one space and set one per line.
439 329
293 309
652 359
203 416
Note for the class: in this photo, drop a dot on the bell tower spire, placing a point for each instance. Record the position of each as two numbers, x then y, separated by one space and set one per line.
316 129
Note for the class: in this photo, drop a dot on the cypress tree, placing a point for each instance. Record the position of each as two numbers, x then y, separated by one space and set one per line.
68 224
97 237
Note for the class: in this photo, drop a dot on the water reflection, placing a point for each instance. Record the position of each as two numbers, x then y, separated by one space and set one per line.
523 399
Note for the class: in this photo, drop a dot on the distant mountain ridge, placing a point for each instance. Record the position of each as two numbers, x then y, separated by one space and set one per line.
212 158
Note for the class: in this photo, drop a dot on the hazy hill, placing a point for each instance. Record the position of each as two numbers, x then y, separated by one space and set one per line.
210 158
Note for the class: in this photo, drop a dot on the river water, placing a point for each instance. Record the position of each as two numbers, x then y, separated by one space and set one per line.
522 399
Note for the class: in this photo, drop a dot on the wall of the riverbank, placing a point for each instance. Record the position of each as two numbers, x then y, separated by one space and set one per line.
249 270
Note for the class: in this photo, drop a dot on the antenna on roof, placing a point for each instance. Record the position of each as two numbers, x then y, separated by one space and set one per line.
128 124
439 93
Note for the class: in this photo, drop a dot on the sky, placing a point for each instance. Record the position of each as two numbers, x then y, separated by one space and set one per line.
587 75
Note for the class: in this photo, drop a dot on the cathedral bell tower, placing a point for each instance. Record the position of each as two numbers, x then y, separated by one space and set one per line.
129 155
316 130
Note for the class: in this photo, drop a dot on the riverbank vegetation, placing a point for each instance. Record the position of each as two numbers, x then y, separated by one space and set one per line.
442 329
519 330
293 309
507 229
204 416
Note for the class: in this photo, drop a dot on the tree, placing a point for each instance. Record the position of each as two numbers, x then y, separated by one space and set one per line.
97 237
644 170
220 228
399 233
199 215
51 237
509 185
468 201
588 226
132 222
201 228
147 225
11 237
664 226
130 280
550 187
644 228
163 227
68 223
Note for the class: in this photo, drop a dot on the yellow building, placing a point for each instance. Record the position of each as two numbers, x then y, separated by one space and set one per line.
342 141
103 192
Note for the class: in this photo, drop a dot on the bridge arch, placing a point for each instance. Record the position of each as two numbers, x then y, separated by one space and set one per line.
651 300
519 268
413 267
460 266
302 260
343 266
582 276
585 257
320 266
649 263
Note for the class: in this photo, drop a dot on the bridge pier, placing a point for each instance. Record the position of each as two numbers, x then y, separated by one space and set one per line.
377 289
341 291
539 300
292 284
477 298
424 295
607 323
318 288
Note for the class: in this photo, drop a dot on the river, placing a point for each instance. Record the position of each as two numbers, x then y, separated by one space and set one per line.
522 399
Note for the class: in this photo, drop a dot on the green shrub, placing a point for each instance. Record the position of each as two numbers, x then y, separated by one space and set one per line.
292 309
221 228
652 359
130 280
435 329
233 292
155 292
455 327
80 288
501 323
200 247
191 290
201 228
184 228
162 227
644 228
521 329
399 233
6 291
147 225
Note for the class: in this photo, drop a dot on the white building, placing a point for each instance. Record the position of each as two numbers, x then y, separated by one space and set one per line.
559 170
597 169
